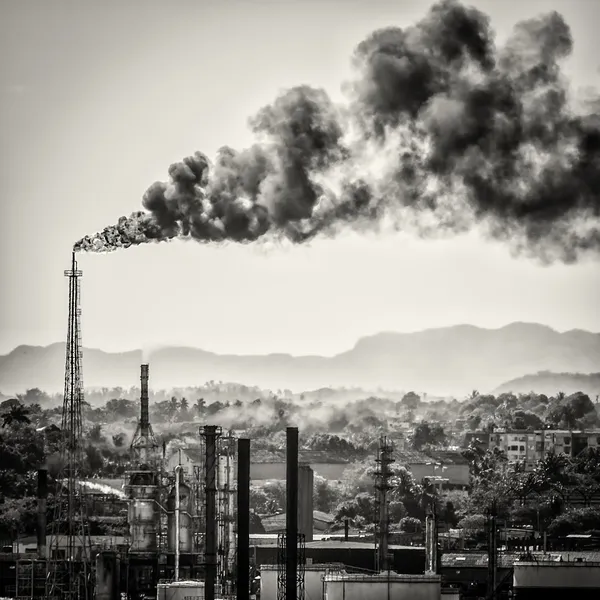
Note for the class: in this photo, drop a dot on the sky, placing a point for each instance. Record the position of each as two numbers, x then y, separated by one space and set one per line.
97 99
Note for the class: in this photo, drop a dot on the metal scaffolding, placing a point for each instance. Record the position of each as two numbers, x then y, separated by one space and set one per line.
282 567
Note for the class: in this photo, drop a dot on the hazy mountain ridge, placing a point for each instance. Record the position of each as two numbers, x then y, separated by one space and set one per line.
450 360
549 384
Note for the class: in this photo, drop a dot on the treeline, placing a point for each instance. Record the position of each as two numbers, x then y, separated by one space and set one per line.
529 411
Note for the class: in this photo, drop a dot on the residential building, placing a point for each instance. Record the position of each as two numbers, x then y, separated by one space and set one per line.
528 447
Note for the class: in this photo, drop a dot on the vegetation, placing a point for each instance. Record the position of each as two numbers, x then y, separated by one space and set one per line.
340 424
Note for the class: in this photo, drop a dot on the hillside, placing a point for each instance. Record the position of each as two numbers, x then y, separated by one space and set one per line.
551 383
451 360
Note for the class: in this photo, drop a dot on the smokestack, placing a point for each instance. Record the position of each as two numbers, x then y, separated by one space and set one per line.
243 520
42 496
291 517
210 434
177 519
144 417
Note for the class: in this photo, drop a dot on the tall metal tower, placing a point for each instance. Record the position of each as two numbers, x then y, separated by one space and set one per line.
69 565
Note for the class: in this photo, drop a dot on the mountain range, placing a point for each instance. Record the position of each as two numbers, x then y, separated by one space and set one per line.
444 361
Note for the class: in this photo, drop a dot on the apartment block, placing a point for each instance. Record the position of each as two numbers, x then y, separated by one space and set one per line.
528 447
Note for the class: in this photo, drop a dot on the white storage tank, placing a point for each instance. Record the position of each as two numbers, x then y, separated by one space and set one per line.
180 590
383 586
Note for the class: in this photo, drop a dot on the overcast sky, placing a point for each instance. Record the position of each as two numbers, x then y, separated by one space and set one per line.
97 99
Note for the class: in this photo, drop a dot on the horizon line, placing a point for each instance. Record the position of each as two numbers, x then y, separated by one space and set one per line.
176 345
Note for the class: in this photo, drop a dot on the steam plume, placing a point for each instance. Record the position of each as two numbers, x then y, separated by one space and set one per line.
442 132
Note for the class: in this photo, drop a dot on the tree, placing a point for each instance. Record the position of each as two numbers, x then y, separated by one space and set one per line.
571 411
523 420
410 525
326 495
362 506
16 414
576 520
428 435
472 525
411 401
200 407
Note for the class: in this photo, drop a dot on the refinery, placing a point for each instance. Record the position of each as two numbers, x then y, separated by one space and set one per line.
188 533
188 530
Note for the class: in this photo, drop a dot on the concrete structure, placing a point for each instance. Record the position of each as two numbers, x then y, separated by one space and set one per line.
181 590
305 502
541 579
313 580
387 585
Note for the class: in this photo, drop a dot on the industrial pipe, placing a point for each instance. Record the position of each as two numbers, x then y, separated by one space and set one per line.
291 517
177 519
42 497
243 520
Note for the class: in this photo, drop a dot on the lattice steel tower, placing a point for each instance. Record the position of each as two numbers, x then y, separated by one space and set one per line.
69 564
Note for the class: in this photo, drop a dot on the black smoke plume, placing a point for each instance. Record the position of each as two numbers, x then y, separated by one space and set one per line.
442 132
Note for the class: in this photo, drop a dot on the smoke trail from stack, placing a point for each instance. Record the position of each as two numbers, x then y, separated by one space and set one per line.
442 132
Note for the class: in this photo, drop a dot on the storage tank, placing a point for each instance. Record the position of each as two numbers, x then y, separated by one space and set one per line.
180 590
142 512
384 586
187 504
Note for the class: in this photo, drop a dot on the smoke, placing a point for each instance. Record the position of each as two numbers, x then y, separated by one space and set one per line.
442 132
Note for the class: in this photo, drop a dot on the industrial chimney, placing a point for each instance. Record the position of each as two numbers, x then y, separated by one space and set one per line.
42 497
243 520
211 433
143 444
291 516
144 416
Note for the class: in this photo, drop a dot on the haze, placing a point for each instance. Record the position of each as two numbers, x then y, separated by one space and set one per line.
98 99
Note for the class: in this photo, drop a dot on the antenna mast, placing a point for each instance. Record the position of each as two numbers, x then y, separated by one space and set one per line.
69 565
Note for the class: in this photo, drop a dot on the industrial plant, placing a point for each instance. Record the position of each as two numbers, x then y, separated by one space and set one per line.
188 527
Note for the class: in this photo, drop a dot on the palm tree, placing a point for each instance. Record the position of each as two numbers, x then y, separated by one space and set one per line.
17 413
